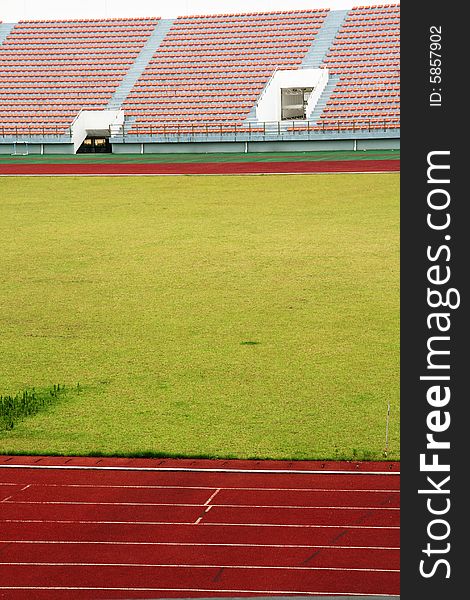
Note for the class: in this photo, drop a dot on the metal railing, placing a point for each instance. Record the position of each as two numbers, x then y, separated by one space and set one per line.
266 128
21 132
186 131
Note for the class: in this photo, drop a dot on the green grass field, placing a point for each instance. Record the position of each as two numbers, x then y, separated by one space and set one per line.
203 316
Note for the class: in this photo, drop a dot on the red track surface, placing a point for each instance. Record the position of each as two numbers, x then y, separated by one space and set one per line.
233 168
75 528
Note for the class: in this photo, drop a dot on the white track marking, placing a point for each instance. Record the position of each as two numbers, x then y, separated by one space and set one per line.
129 543
179 505
142 589
191 566
202 487
202 516
213 496
192 523
195 470
8 498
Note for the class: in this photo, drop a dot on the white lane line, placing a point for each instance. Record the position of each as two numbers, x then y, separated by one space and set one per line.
7 499
299 526
202 487
173 524
191 566
213 496
182 505
142 589
196 470
239 545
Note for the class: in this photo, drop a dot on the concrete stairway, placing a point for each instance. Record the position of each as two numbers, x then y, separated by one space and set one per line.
324 39
320 105
5 29
140 63
128 124
313 60
251 117
317 54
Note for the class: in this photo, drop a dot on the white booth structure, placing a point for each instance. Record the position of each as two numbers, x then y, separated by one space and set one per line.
291 94
95 123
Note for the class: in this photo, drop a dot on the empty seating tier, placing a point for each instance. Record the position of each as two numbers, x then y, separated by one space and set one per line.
50 70
205 75
210 70
365 55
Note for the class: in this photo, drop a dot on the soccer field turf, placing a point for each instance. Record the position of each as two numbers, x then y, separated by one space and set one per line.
229 316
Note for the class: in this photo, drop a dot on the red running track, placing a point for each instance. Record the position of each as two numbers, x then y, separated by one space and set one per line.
228 168
82 528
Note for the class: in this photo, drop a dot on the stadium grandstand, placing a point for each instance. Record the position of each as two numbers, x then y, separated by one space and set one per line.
285 80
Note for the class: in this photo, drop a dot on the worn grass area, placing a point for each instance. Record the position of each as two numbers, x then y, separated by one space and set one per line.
203 316
17 407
